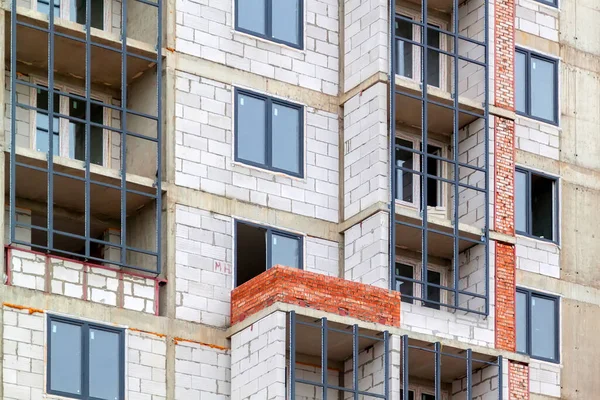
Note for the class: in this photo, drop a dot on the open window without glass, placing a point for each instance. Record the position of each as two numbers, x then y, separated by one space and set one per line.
75 11
258 248
536 205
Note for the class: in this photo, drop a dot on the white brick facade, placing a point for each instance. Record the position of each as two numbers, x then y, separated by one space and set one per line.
146 366
544 378
206 29
537 19
322 256
538 256
537 138
204 154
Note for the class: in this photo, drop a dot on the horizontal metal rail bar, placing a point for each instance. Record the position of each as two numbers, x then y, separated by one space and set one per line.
340 388
439 178
438 50
346 332
440 158
412 346
452 306
421 227
440 30
437 103
442 287
83 98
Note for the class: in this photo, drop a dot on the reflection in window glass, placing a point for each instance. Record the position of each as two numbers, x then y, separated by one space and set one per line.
77 132
405 288
543 327
251 129
285 251
521 317
251 15
404 179
542 89
42 140
104 376
286 20
433 293
286 138
404 50
433 58
43 6
521 201
520 82
65 357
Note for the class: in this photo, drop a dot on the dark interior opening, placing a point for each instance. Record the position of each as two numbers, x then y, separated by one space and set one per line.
433 293
250 252
542 207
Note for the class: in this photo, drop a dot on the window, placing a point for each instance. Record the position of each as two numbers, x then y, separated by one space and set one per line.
536 205
408 184
537 321
408 55
85 360
276 20
269 133
75 10
69 137
536 88
408 278
551 3
258 248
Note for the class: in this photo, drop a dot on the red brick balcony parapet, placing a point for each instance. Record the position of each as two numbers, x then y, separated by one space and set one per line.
319 292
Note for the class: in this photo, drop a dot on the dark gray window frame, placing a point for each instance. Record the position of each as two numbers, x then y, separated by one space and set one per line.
527 113
268 25
270 231
85 331
532 293
551 3
269 101
528 212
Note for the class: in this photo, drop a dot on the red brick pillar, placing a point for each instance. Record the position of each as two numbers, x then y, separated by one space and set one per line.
518 381
504 51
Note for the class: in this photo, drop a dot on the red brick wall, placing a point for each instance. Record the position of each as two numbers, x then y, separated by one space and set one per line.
518 381
317 291
504 163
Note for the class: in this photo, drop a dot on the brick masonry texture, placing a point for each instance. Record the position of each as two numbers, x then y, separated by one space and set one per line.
505 297
484 385
505 173
538 138
504 50
201 372
537 19
79 280
206 29
518 385
317 291
538 256
544 378
146 366
204 154
366 40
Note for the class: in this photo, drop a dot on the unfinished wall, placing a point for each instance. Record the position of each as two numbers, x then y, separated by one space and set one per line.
142 22
146 373
313 373
471 24
471 274
484 385
365 40
471 151
366 152
23 132
258 363
141 234
537 19
201 372
370 371
538 256
544 378
322 256
203 257
204 154
207 31
538 138
366 251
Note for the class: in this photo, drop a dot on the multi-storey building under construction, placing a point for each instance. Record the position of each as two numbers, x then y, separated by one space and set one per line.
300 199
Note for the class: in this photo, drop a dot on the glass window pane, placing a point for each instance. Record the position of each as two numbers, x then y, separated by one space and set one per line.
251 129
285 251
404 287
104 373
404 50
542 205
77 132
65 357
251 15
520 82
286 20
543 101
433 58
521 318
433 293
543 327
78 11
404 179
521 201
41 121
286 140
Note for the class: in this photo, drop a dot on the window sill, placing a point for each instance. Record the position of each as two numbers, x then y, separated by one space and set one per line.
553 8
523 119
537 239
235 32
235 164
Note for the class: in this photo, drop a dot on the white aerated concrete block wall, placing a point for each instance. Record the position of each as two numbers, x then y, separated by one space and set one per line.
538 256
206 30
201 372
366 251
21 233
313 374
538 138
366 40
544 378
23 366
484 385
23 131
203 257
537 19
371 371
471 275
471 149
204 154
471 23
366 155
146 366
322 256
258 360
